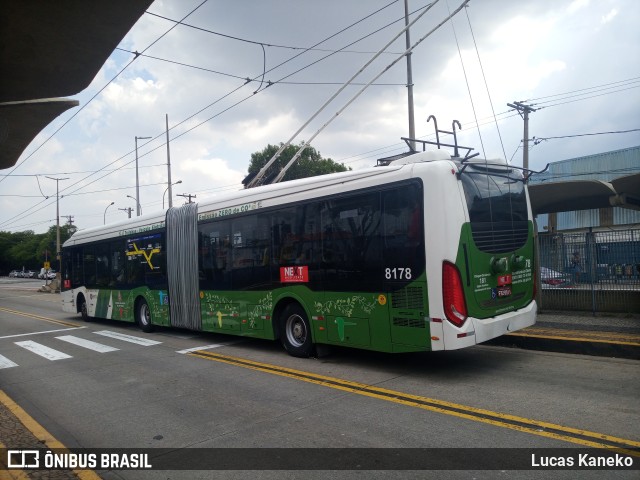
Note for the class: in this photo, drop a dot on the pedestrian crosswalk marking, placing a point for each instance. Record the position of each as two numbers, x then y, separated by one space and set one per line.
52 354
204 347
81 342
6 363
46 352
128 338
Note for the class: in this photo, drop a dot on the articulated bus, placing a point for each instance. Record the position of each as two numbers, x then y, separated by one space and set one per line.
428 253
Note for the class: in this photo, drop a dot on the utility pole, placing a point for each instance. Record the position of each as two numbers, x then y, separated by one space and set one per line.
58 221
185 195
412 127
128 210
524 111
69 219
168 165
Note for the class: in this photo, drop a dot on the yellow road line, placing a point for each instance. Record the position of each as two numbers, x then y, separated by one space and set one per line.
513 422
38 317
40 433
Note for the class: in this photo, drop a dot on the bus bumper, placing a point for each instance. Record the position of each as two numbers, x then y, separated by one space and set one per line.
489 328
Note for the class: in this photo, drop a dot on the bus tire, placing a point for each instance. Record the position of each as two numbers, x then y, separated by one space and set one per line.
82 308
295 333
143 316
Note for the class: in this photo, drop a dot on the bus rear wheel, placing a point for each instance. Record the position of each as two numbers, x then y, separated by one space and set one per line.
295 333
143 316
82 307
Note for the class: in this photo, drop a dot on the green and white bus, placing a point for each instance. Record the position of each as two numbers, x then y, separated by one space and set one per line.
427 253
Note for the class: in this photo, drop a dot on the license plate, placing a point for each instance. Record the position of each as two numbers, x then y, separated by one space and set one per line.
504 291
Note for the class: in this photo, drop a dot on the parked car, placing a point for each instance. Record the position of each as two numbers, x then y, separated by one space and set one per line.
13 273
553 279
47 274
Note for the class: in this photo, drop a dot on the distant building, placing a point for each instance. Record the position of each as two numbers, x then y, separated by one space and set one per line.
604 167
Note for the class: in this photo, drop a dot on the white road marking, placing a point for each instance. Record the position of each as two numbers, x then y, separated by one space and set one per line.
128 338
46 352
38 333
204 347
6 363
81 342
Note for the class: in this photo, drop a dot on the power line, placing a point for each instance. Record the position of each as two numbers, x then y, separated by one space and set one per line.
255 42
634 79
240 77
537 140
221 98
80 172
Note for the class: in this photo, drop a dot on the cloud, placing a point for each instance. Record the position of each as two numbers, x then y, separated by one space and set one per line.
609 16
577 5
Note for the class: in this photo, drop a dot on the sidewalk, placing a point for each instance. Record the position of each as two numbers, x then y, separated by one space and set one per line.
609 336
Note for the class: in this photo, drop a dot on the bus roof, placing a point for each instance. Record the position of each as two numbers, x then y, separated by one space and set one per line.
302 187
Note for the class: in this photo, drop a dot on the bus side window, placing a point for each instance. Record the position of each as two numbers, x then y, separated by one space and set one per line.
117 263
77 267
403 229
89 265
351 242
102 265
215 255
251 238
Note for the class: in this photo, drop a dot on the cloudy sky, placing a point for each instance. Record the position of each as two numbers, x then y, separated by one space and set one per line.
575 61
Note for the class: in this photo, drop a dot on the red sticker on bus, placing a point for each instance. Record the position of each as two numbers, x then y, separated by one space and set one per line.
294 274
504 280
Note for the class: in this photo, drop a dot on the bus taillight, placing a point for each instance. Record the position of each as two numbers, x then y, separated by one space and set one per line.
455 307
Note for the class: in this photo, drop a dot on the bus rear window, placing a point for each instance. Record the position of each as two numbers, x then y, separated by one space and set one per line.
497 208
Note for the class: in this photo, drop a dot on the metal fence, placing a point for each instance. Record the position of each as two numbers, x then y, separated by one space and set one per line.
598 272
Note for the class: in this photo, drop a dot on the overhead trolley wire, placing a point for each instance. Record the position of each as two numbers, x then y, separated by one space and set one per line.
9 221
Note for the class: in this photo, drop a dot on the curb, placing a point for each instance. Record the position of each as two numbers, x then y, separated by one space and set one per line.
582 347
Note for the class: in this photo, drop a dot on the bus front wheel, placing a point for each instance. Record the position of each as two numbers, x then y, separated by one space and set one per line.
295 331
143 316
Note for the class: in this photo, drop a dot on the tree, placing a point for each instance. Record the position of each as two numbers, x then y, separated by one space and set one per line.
310 163
27 249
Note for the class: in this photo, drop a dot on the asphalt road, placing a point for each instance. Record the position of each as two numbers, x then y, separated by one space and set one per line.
91 386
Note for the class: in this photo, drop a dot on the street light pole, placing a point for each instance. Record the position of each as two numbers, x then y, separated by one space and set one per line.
137 205
58 220
139 211
165 192
105 213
